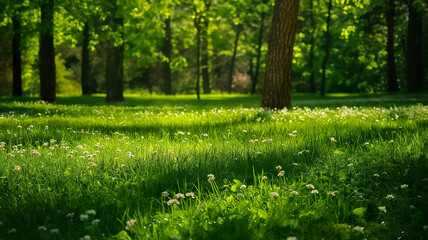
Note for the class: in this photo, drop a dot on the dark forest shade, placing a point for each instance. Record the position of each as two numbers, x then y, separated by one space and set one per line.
114 71
86 84
277 83
232 62
326 50
392 71
255 78
167 51
16 55
414 51
46 52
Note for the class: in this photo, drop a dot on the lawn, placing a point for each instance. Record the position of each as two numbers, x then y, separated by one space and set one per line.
342 167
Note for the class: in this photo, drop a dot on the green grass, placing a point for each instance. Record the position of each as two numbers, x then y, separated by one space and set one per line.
119 159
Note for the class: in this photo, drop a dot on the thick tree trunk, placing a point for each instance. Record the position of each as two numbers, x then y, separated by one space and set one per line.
114 73
204 60
16 55
86 84
259 54
198 49
47 53
392 72
414 51
312 49
326 50
167 51
232 62
277 83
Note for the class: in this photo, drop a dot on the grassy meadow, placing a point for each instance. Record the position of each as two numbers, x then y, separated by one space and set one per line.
341 167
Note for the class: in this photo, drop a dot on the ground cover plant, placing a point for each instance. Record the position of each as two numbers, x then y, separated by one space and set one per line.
220 168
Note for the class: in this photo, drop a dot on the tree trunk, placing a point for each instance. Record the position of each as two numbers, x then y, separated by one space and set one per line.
16 55
232 63
326 50
47 53
86 85
311 51
198 48
277 83
114 73
167 52
259 54
414 51
204 60
392 72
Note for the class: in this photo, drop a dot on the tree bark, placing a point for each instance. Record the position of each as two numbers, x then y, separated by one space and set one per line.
47 53
392 72
197 22
204 60
312 49
232 62
414 51
16 55
259 54
326 50
86 84
114 73
277 83
167 52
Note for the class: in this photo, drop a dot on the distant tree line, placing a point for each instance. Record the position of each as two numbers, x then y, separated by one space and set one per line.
201 46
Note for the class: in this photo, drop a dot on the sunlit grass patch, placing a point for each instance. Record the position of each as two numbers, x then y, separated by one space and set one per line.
70 171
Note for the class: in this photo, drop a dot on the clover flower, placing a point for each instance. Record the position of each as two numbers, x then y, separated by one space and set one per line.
310 186
179 195
210 177
382 209
274 194
173 202
389 196
35 152
165 194
190 194
130 223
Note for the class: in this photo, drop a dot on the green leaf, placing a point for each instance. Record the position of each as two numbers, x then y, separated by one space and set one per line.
359 211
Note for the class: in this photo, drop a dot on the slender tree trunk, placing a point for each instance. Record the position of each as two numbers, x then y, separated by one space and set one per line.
232 62
392 72
204 60
414 51
277 83
16 55
311 51
47 53
114 73
204 50
326 50
86 84
259 53
198 49
167 51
